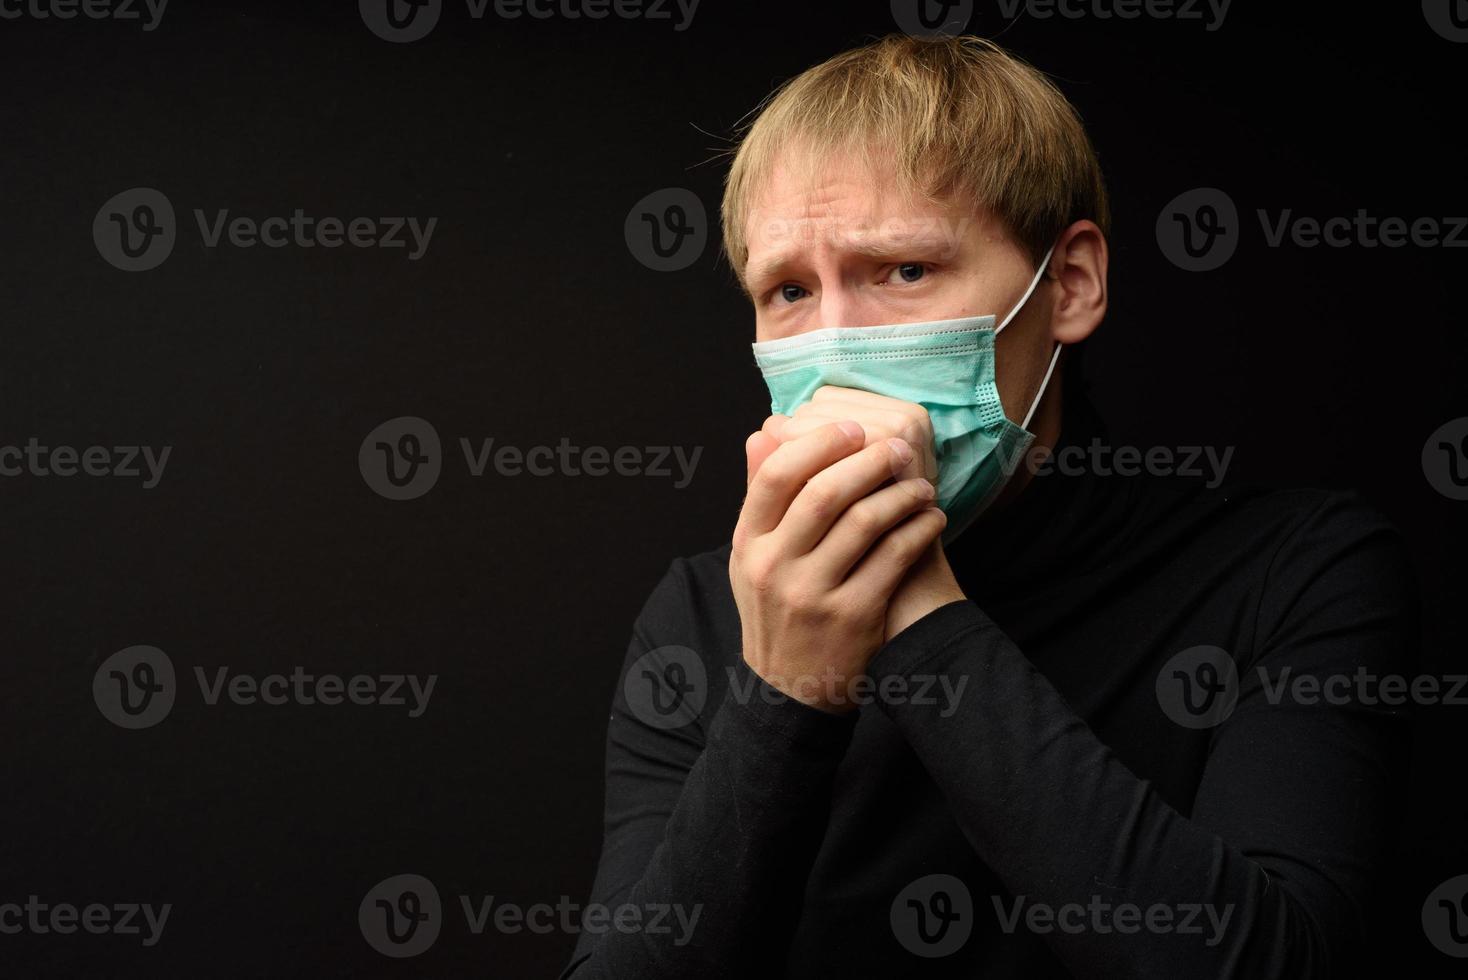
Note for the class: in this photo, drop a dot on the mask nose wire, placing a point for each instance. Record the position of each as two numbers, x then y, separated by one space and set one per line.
1055 357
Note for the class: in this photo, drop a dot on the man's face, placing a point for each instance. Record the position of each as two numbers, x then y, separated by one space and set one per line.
851 251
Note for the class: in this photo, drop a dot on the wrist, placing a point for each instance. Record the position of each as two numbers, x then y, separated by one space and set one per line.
826 691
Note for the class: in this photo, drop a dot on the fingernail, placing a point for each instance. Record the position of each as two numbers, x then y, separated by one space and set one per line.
851 429
901 449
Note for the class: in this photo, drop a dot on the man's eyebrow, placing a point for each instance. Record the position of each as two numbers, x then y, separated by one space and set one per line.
757 273
886 249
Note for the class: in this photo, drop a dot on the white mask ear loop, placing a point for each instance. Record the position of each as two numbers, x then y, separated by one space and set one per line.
1034 284
1054 358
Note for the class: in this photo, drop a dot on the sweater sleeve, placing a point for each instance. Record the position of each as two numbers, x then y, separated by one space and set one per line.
1279 849
709 829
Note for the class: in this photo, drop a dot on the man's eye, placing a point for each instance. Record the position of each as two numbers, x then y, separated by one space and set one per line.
790 293
909 272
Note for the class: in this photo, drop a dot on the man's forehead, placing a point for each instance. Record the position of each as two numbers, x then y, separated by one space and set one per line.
836 190
773 237
848 206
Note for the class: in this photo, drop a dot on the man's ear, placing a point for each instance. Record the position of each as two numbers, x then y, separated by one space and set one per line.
1078 269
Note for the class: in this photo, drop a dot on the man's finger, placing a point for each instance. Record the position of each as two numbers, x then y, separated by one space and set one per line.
783 473
880 414
894 554
757 449
863 524
775 426
878 427
840 487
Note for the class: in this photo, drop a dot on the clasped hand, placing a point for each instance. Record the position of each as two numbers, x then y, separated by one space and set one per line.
837 548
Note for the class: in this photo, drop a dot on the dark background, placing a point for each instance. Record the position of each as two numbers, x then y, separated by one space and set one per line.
528 320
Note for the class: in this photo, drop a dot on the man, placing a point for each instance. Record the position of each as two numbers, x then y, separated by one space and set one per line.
950 711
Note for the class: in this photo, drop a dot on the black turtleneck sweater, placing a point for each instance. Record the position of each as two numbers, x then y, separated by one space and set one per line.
1111 761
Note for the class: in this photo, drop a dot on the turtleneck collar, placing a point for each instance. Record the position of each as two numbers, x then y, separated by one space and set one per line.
1060 524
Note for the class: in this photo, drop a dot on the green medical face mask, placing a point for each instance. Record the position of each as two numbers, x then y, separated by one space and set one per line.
946 366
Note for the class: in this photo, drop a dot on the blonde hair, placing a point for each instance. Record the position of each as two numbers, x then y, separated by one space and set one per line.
955 117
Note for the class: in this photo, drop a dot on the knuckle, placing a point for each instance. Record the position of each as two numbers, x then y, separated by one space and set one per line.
864 520
903 552
802 596
916 415
913 536
759 571
821 498
777 471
